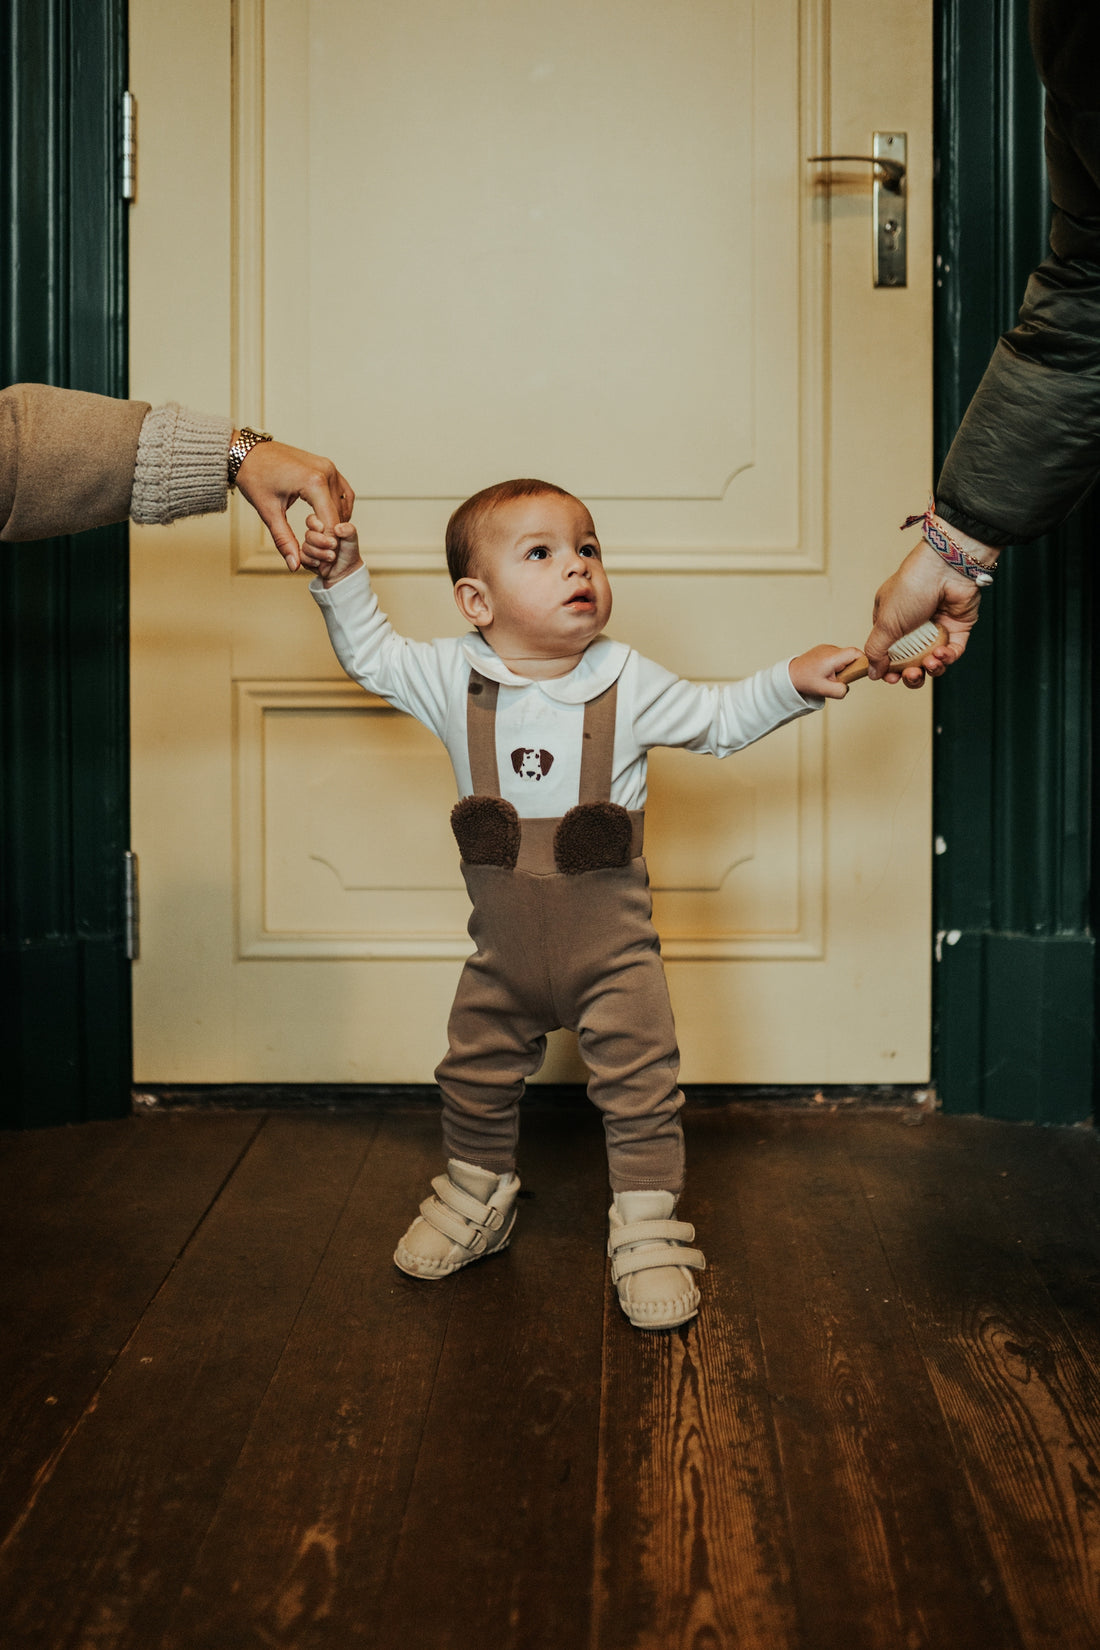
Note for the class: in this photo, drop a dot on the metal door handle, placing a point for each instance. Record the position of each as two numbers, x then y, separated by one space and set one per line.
893 169
888 261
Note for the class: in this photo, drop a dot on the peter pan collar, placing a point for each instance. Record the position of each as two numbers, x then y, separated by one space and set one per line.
601 665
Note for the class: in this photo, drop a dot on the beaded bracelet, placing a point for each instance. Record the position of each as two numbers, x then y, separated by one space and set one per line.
953 554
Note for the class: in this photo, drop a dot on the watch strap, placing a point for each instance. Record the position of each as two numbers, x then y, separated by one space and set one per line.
239 449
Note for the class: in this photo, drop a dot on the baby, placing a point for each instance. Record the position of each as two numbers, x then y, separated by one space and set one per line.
547 723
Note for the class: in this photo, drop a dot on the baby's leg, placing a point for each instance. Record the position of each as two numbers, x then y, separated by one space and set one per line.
628 1039
495 1044
494 1048
627 1036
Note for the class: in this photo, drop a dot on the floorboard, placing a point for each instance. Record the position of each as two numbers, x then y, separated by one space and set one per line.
887 1552
496 1543
1016 1392
128 1500
92 1221
694 1541
302 1545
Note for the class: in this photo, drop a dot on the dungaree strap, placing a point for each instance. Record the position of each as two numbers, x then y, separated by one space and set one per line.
481 734
597 750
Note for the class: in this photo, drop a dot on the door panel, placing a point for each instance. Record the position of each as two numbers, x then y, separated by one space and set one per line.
583 242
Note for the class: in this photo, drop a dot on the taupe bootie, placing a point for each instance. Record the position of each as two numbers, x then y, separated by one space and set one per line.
470 1214
651 1264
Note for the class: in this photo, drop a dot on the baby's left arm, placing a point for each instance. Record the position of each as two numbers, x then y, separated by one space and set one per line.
815 672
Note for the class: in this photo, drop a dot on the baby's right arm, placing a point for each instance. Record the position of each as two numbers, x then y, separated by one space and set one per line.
413 676
344 540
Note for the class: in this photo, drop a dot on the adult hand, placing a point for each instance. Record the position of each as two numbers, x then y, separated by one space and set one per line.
923 587
274 476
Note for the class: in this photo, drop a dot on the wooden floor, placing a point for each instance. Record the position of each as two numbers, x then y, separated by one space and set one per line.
228 1421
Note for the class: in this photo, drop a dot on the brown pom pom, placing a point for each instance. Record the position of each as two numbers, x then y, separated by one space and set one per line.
594 836
486 829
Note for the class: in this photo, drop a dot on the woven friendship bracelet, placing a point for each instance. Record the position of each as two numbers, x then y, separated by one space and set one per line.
953 554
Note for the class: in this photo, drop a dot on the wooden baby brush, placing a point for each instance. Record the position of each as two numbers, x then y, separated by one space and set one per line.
907 650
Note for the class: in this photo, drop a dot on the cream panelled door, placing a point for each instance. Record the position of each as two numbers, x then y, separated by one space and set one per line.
449 243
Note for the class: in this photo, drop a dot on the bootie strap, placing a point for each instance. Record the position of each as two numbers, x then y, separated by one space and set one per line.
665 1245
646 1231
459 1215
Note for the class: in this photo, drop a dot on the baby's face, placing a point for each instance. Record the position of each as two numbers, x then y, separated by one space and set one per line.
539 563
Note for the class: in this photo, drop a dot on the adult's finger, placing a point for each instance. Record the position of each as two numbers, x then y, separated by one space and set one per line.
330 495
273 516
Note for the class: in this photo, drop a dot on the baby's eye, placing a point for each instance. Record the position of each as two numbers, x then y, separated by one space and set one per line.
539 553
589 550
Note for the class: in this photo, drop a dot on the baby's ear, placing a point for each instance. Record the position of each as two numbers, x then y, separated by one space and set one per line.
473 603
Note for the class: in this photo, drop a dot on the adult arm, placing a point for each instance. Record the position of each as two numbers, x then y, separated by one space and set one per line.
71 460
1028 448
66 460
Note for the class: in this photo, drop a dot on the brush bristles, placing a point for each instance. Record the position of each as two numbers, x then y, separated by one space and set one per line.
916 644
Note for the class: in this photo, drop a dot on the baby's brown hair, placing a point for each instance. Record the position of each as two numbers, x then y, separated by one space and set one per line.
465 524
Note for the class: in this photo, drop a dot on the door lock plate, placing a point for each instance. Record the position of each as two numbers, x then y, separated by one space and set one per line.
890 263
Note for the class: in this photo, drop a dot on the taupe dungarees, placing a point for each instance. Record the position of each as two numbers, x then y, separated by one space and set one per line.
562 924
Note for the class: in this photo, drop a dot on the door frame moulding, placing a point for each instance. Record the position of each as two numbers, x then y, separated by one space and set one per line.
64 608
1014 977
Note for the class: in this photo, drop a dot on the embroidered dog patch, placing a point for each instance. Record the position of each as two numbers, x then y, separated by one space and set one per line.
532 764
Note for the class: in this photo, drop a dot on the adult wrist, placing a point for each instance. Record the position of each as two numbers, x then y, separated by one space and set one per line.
967 557
241 444
987 554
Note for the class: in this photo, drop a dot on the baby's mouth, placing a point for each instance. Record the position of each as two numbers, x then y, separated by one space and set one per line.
582 597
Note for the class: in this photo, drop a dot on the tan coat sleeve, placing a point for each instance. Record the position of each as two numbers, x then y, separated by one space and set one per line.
66 460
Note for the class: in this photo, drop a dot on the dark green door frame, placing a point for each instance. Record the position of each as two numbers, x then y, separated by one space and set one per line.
1015 989
1015 975
64 765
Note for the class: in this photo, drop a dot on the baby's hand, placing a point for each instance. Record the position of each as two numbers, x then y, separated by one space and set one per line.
343 539
815 673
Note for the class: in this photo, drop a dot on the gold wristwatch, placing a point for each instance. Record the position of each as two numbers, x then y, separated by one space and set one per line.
240 449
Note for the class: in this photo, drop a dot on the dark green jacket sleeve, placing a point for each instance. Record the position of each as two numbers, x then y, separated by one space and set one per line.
1029 446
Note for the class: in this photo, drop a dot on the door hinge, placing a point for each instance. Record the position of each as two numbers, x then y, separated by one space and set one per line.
131 905
128 148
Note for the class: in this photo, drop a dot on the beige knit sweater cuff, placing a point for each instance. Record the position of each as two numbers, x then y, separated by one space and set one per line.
182 462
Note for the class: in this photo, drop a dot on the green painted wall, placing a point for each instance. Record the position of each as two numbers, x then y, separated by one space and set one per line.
1015 979
64 978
